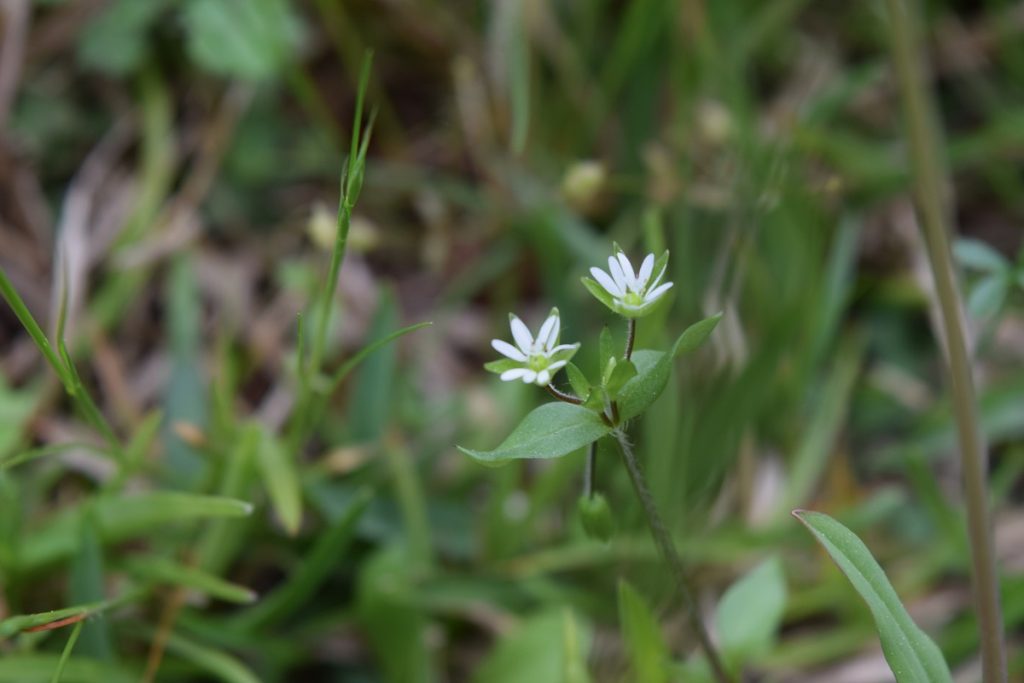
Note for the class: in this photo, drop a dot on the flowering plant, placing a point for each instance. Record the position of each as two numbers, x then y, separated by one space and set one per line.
592 412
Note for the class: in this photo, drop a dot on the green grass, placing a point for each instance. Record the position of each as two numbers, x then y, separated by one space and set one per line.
242 443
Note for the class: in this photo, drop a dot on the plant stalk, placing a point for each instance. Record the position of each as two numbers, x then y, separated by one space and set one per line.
562 396
668 552
630 338
930 182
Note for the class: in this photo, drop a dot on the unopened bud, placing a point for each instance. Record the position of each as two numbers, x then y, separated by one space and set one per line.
596 517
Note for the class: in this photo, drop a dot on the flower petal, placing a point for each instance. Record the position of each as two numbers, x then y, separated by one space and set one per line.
544 337
645 271
507 350
608 283
521 333
514 373
529 377
627 270
657 292
543 378
616 270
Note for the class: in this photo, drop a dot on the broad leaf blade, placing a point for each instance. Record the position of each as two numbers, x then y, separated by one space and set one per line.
911 654
550 431
749 614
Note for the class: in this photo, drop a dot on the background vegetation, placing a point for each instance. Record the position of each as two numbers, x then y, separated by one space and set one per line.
169 171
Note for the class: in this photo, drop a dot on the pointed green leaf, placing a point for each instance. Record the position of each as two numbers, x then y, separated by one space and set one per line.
749 614
281 480
911 654
653 368
988 295
978 255
550 431
648 653
623 372
599 292
579 382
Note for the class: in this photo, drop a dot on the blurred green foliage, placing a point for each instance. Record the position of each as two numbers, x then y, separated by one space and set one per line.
758 141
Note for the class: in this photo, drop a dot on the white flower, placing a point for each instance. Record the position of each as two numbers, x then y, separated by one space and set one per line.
534 360
627 292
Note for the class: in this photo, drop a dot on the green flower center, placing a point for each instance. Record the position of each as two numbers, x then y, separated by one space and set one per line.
538 363
633 299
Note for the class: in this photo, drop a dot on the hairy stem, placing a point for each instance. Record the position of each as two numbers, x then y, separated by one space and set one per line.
668 552
934 211
562 396
630 338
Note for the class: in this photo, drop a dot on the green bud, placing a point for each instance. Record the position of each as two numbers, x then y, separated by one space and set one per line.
596 517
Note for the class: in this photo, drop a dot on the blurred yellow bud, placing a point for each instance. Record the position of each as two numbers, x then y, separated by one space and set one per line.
584 185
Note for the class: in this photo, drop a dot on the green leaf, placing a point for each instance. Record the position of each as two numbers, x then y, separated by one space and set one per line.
648 652
163 570
39 668
579 382
653 368
550 431
599 292
911 654
219 664
695 335
542 648
281 480
246 39
116 41
750 613
978 255
988 295
366 351
304 580
65 655
623 371
121 518
86 585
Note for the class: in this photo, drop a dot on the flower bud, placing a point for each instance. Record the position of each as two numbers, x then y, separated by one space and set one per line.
596 517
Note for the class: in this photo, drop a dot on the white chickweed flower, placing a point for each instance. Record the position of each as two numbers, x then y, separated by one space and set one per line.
534 360
629 293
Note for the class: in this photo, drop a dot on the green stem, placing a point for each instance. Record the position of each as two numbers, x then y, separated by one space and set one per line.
934 210
668 552
590 471
630 338
562 396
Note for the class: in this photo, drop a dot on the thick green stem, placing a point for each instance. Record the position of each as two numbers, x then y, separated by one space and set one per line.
667 547
934 211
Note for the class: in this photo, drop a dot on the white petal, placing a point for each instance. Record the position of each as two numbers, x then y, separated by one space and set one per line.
543 378
609 285
553 335
521 333
557 365
627 271
616 270
507 350
656 292
645 271
514 373
529 377
544 337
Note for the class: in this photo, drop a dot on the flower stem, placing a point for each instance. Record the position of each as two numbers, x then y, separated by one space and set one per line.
668 552
630 337
562 396
934 210
590 471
